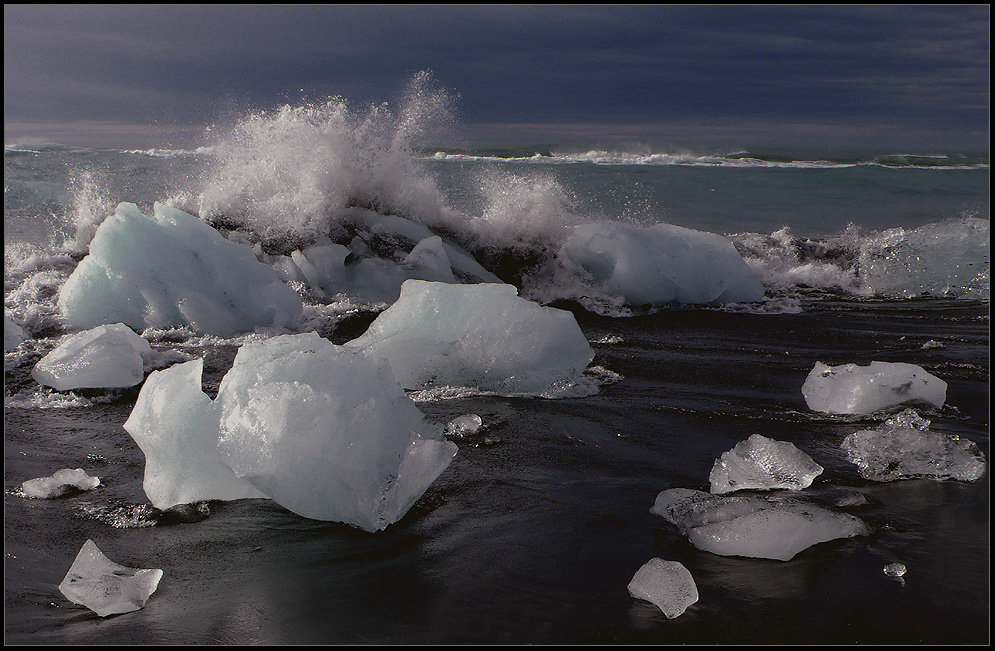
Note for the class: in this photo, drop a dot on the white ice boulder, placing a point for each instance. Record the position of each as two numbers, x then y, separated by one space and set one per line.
662 264
176 425
904 448
482 335
62 482
753 526
13 334
761 463
172 269
327 432
666 584
108 356
853 389
105 587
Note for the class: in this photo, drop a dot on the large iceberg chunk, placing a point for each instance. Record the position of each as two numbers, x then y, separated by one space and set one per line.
753 526
326 431
762 463
852 389
666 584
482 336
661 264
62 482
177 427
904 448
108 356
105 587
172 269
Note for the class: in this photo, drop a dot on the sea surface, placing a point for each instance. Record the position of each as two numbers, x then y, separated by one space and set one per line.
534 531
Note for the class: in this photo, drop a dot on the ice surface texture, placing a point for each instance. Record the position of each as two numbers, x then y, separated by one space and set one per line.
323 430
904 448
762 463
482 335
13 334
666 584
661 264
852 389
172 269
62 482
751 525
105 587
108 356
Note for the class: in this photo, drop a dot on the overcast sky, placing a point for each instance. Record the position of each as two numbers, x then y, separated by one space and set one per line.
913 76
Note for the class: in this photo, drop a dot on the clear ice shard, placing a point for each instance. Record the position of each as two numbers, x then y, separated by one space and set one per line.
853 389
666 584
60 483
105 587
761 463
752 525
105 357
904 448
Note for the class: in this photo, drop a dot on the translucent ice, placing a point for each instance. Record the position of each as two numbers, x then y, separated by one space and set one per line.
326 431
105 587
464 425
895 570
107 356
752 526
13 334
852 389
64 481
904 448
666 584
661 264
177 427
762 463
481 335
172 269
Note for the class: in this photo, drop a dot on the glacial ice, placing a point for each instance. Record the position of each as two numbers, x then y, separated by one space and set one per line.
105 587
464 425
480 335
853 389
904 448
661 264
108 356
751 525
172 269
176 426
762 463
326 431
60 483
666 584
13 334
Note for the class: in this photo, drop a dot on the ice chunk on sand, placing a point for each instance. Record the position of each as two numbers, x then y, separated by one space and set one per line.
326 431
753 526
666 584
105 587
13 334
464 425
108 356
62 482
904 448
762 463
172 269
177 427
852 389
482 336
661 264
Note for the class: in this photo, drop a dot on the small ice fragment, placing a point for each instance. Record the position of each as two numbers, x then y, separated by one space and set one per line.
464 425
105 587
666 584
762 463
895 570
108 356
904 448
13 334
63 482
852 389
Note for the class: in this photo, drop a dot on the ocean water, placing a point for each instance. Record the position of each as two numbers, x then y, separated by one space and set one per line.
533 532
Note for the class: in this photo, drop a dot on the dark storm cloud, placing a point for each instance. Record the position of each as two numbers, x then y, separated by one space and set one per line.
918 67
